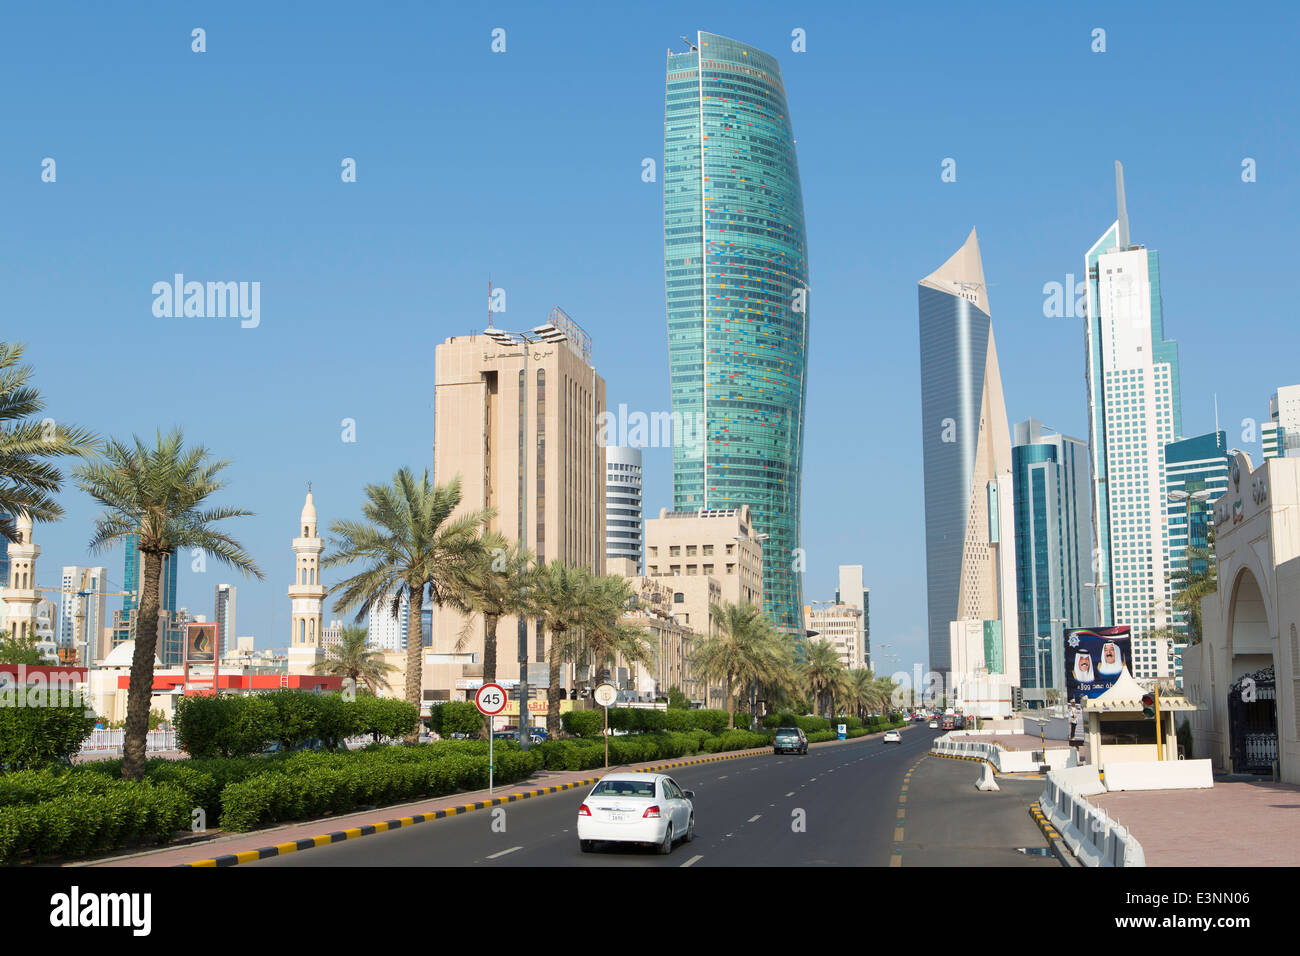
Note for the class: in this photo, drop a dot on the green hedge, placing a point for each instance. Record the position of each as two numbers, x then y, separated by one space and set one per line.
456 717
117 813
644 720
39 736
232 725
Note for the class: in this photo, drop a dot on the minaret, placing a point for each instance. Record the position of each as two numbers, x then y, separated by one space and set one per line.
306 591
21 597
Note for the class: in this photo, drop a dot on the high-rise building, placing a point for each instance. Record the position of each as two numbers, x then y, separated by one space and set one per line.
736 273
170 646
385 631
1272 439
82 611
307 593
223 612
1134 411
839 625
1284 410
623 531
518 425
1196 476
713 556
850 590
969 548
1053 549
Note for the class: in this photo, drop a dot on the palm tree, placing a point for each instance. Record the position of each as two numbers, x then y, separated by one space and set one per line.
354 659
746 650
495 585
609 637
408 541
28 479
566 600
159 495
821 672
861 693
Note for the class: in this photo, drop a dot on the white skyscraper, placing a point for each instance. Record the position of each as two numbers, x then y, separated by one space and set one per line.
81 609
1134 411
385 631
851 591
223 612
623 517
1284 409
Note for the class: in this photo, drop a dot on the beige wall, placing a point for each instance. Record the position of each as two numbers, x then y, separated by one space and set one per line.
841 625
479 433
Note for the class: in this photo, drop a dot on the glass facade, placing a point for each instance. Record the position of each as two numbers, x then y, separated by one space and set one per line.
1197 468
955 336
736 283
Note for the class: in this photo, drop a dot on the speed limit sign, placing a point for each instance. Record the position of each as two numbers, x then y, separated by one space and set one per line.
490 700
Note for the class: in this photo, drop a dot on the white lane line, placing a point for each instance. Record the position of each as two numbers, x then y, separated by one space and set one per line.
723 777
504 852
693 860
755 817
790 794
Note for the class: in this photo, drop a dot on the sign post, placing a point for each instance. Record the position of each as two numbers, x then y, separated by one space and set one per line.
606 694
490 701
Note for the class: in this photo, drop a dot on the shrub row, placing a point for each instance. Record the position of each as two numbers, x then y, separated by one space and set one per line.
588 723
36 736
333 786
85 822
229 725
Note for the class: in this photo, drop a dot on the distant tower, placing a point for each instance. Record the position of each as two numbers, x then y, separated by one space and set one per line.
21 596
306 591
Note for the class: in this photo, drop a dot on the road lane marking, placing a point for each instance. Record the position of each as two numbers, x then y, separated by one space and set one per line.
754 817
790 794
896 860
504 852
693 860
902 798
901 814
898 834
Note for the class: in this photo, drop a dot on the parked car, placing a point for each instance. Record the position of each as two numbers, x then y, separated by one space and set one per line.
893 737
644 808
789 740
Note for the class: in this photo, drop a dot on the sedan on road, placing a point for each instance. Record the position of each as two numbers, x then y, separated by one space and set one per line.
646 808
892 737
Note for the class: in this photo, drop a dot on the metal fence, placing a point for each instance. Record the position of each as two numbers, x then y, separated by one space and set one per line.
111 740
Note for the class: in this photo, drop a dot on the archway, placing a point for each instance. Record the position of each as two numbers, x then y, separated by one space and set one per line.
1252 697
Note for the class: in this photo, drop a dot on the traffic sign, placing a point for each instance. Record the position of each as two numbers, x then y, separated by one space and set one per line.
606 695
490 700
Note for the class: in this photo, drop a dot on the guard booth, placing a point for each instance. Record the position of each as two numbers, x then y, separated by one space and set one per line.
1252 722
1119 730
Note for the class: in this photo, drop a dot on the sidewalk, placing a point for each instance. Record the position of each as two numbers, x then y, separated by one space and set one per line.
229 849
1233 824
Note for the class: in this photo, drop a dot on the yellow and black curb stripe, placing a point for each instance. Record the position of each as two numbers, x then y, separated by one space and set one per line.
996 771
338 836
1050 834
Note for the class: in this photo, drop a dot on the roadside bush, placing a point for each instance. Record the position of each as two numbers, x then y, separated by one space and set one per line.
225 725
584 723
743 720
384 717
85 822
713 721
39 736
456 717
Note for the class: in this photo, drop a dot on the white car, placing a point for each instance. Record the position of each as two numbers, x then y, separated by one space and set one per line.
892 737
644 808
934 725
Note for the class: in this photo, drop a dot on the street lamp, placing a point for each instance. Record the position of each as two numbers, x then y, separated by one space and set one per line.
1097 587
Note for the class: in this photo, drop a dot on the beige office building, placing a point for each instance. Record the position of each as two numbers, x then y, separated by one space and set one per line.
713 555
673 641
517 423
839 625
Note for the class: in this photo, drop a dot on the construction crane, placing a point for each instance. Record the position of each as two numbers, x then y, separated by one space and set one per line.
74 655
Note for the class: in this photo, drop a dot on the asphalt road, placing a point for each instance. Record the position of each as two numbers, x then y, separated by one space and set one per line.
836 805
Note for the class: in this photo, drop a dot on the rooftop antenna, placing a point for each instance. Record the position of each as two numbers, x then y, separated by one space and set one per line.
1123 209
689 43
1216 415
489 302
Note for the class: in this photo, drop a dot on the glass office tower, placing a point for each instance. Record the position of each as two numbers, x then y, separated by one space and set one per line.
736 281
969 550
1134 411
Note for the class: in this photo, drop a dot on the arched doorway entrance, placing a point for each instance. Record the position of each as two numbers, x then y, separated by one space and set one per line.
1252 698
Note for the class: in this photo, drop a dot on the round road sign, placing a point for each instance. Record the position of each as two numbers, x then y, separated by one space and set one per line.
490 699
606 694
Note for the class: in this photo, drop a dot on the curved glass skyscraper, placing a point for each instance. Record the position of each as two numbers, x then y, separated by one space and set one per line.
736 278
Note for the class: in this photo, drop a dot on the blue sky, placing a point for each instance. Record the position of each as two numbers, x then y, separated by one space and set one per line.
526 166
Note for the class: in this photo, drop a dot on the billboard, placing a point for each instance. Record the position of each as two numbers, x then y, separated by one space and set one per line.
201 643
1094 658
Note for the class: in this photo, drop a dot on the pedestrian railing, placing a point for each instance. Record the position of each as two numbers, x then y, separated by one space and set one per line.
110 740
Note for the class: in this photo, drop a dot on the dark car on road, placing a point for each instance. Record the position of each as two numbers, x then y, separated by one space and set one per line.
789 740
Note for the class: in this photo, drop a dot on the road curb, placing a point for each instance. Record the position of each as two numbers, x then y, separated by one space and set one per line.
383 826
1054 841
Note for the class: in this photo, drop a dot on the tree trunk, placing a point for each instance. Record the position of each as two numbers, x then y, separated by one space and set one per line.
415 659
731 703
490 648
140 691
553 691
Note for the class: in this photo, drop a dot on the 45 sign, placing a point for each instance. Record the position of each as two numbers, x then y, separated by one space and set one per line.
490 700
